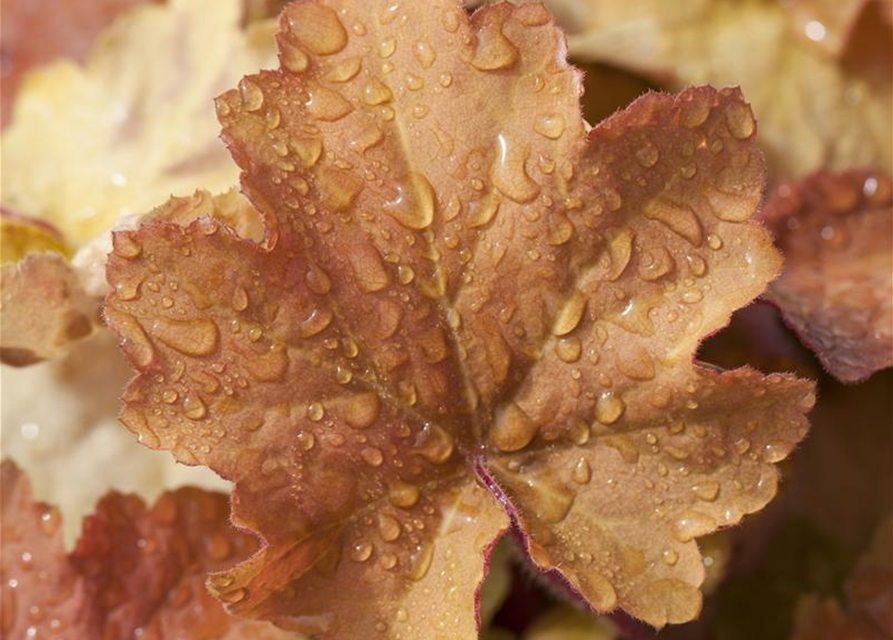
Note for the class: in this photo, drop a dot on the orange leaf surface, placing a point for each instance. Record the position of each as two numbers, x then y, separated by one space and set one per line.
136 571
836 290
468 310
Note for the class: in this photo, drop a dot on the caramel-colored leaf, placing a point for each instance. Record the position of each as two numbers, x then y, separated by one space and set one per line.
815 110
43 309
465 309
136 571
90 144
836 290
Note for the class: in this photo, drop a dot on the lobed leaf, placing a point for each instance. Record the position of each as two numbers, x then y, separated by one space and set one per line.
836 290
136 571
465 312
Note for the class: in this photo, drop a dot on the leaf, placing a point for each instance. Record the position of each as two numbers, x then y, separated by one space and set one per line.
465 310
815 111
38 31
92 144
44 309
136 571
836 290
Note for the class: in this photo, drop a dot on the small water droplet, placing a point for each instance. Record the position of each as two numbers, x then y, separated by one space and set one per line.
493 51
315 411
647 155
740 120
424 53
360 551
252 95
194 407
582 471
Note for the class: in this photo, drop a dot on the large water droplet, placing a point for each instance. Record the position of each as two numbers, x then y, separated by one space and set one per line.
316 27
414 205
740 120
679 218
421 561
388 527
190 337
325 104
361 410
608 408
508 172
582 471
513 429
403 495
570 314
194 407
493 50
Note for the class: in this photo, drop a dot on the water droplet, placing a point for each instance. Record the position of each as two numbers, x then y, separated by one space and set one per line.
362 410
679 218
424 53
309 150
372 456
609 408
403 495
240 299
368 268
387 47
451 20
421 561
714 242
325 104
508 172
388 528
194 407
316 27
445 79
252 95
696 264
568 349
190 337
435 444
688 171
776 451
360 551
483 211
293 58
647 155
578 432
513 429
694 112
582 471
124 244
401 614
345 70
551 125
692 297
707 490
493 50
233 597
414 205
670 557
315 411
693 524
570 314
740 120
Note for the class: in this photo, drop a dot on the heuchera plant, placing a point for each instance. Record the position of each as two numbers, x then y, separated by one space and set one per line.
469 312
836 291
136 571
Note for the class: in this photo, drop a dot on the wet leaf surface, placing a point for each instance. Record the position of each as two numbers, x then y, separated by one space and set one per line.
465 313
